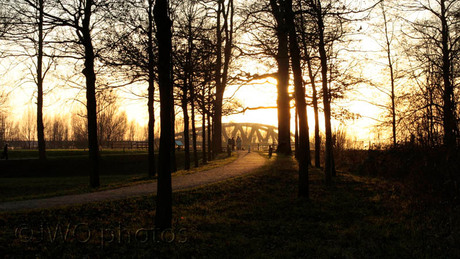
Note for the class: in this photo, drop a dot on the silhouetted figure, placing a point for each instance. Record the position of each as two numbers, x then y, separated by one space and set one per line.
233 143
238 143
5 152
229 142
270 151
229 151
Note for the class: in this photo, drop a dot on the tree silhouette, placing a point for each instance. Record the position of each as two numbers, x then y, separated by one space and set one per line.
303 152
30 30
440 30
282 58
224 45
81 18
133 41
163 214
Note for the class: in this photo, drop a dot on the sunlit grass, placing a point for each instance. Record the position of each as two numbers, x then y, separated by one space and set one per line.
221 160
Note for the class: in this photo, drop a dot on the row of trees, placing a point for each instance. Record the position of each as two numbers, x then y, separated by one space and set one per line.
113 125
192 49
63 131
132 41
419 40
306 37
434 51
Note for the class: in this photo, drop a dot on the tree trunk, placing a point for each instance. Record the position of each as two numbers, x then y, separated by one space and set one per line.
195 152
163 216
217 116
314 93
448 106
186 131
329 166
221 73
40 126
203 126
282 58
189 78
315 110
296 133
392 79
210 126
431 119
91 104
300 102
393 105
217 123
173 111
151 95
203 136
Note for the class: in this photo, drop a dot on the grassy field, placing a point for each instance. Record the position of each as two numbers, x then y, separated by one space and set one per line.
24 163
255 216
59 153
67 172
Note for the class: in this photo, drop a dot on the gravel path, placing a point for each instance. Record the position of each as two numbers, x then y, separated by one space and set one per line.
245 163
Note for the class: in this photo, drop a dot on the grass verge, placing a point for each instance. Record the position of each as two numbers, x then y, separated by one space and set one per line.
22 188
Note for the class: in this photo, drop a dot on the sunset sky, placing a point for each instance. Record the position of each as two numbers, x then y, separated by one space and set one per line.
367 54
60 101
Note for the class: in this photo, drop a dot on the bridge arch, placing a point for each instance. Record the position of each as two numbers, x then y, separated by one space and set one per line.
250 133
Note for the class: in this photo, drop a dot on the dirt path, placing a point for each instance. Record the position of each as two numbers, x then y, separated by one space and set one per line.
245 163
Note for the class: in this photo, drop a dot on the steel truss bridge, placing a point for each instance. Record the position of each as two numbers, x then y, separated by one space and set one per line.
250 133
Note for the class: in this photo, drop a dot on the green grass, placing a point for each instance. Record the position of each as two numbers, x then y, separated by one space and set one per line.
67 172
258 215
59 153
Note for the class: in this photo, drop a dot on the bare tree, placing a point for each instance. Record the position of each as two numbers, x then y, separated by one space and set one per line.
57 131
385 35
318 12
440 30
204 94
331 18
302 154
133 131
3 114
3 117
423 116
3 127
308 34
79 128
28 127
184 99
264 23
224 42
29 31
6 19
112 123
192 26
151 96
388 48
163 214
83 17
282 58
40 76
134 40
